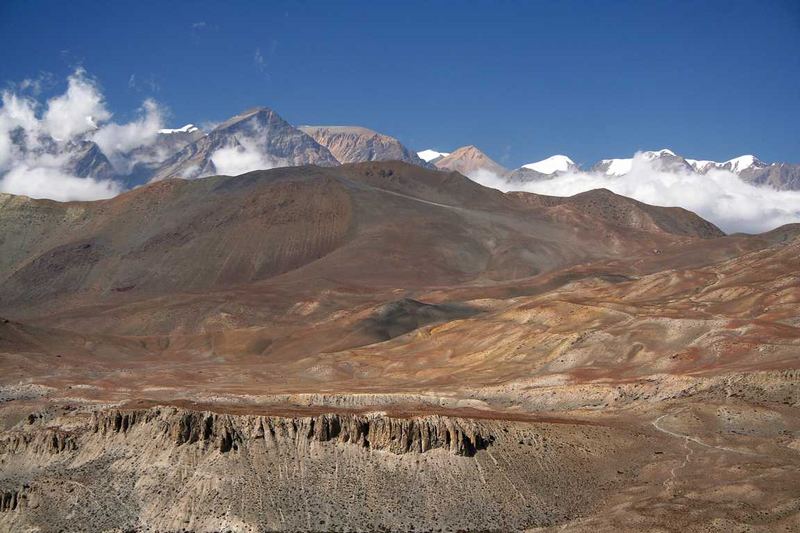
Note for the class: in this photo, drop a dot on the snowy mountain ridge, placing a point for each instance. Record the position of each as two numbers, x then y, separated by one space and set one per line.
431 155
551 165
188 128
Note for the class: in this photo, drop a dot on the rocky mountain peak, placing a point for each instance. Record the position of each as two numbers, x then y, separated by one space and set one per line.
352 144
255 139
470 160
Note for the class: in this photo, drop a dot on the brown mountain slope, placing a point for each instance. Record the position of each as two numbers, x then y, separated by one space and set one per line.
616 210
378 224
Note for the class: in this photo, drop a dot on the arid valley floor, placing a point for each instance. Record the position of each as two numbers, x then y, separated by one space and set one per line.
384 347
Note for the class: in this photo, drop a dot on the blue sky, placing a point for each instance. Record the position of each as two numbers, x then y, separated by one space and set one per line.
521 80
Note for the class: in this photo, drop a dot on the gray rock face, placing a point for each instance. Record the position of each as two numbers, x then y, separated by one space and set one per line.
166 145
672 163
781 176
261 131
86 160
527 175
353 144
601 166
80 158
148 159
175 140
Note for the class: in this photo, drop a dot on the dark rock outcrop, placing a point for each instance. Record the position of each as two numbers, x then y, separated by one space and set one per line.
10 500
86 160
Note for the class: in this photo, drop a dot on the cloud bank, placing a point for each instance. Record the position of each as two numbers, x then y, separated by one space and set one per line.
79 110
41 143
49 182
235 160
718 196
117 141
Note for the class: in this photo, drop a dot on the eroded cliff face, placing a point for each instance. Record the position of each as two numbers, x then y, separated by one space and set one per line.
228 432
173 469
45 441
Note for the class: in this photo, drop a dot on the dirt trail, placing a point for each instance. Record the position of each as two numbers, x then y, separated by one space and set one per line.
655 424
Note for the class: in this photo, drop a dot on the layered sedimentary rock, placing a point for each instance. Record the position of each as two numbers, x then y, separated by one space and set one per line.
226 432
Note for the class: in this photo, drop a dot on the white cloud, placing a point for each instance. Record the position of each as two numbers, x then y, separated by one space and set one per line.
16 112
189 172
38 141
48 182
5 151
77 111
236 160
490 179
209 125
719 196
117 140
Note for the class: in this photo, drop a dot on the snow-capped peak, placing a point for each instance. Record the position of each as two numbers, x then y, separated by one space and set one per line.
738 164
430 155
655 154
189 128
620 167
616 167
551 165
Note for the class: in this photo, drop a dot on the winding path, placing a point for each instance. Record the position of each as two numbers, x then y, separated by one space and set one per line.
655 424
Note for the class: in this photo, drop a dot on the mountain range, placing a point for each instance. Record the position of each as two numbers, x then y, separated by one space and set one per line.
471 161
260 139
